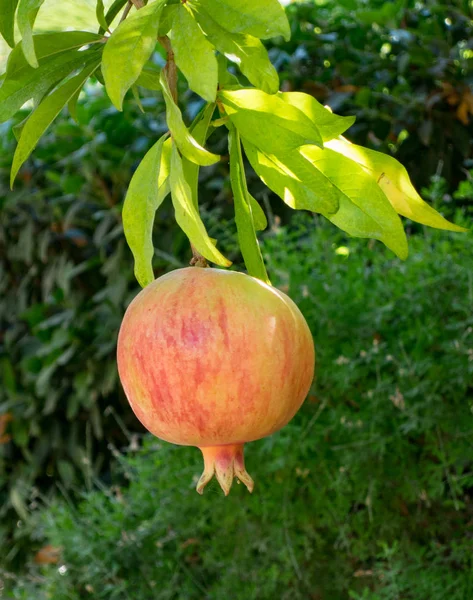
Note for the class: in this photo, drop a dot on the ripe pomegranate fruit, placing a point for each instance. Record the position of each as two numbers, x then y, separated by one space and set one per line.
214 359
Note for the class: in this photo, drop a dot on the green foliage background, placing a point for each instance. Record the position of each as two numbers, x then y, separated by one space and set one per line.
383 510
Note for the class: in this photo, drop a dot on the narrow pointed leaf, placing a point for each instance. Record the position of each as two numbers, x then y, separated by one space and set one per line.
194 54
127 50
259 218
143 198
45 114
268 122
295 180
246 229
7 21
112 12
186 143
199 131
47 45
394 180
149 79
329 125
100 14
362 191
262 19
187 215
27 11
244 50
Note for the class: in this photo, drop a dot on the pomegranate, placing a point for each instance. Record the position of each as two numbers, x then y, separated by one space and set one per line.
213 359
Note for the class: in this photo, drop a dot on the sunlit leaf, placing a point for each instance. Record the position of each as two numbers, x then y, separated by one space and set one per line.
187 215
149 79
394 180
259 218
186 143
246 229
244 50
267 121
262 19
361 190
194 54
145 194
295 180
127 50
329 125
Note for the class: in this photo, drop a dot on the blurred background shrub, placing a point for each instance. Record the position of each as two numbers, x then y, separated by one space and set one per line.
404 69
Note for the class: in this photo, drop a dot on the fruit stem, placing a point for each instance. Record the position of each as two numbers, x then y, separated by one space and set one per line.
226 463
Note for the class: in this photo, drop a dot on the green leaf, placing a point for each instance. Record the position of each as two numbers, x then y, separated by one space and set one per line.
100 14
149 79
187 215
186 143
329 125
144 196
361 190
7 21
45 114
259 218
262 19
47 45
167 18
27 11
246 229
72 105
394 181
194 55
268 122
295 180
26 83
112 12
127 50
244 50
199 131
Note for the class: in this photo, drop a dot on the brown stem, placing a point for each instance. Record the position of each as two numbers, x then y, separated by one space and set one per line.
138 4
126 11
170 71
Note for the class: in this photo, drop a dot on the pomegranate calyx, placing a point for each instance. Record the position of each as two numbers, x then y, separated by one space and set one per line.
226 463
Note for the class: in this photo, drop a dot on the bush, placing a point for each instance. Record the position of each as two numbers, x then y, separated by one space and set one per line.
367 492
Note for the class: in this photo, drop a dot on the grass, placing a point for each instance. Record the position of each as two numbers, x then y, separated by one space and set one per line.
366 494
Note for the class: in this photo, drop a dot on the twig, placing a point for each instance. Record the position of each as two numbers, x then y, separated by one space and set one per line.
170 71
126 11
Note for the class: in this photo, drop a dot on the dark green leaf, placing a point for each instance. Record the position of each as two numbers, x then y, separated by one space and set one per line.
243 212
186 143
27 11
127 50
194 55
145 194
45 114
262 19
244 50
112 12
100 14
268 122
187 215
7 20
26 83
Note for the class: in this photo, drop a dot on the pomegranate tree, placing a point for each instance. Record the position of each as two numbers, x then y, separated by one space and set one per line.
213 359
